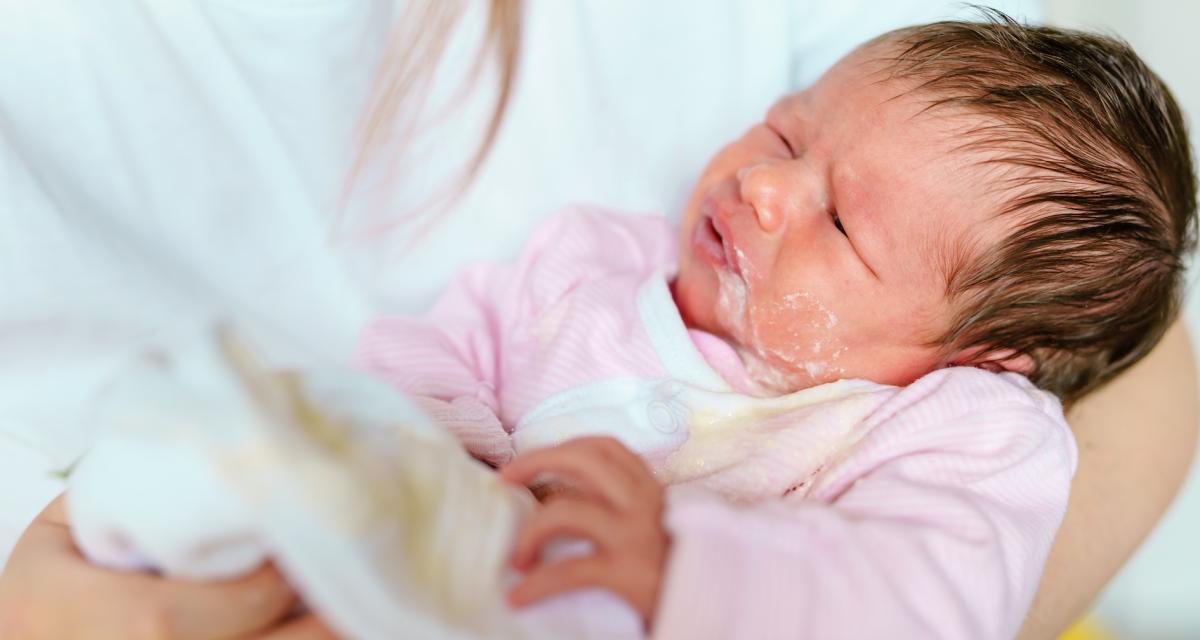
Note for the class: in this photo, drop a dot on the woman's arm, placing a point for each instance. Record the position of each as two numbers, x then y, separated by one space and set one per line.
1137 437
48 591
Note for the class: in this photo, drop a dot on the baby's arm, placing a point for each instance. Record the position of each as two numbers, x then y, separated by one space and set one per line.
936 526
449 360
495 323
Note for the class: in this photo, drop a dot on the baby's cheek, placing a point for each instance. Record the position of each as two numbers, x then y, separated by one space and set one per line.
803 334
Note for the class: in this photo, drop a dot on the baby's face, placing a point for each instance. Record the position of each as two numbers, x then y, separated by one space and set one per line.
817 243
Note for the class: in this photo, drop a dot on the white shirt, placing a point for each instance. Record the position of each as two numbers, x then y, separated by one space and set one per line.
163 162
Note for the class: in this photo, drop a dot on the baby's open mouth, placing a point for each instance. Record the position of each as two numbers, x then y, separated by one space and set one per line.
709 243
708 240
712 245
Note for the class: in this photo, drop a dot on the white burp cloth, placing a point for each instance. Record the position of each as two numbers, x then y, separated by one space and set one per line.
206 464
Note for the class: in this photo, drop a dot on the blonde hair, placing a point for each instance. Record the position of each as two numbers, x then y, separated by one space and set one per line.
413 56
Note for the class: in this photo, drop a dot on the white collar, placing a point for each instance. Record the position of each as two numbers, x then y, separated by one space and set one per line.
670 339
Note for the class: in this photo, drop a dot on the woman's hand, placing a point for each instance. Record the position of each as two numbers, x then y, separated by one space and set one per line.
615 502
49 591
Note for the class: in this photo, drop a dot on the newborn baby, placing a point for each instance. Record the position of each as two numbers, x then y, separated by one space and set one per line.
833 370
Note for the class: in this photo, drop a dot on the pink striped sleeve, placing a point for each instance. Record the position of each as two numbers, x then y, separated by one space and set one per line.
936 526
452 351
494 343
449 360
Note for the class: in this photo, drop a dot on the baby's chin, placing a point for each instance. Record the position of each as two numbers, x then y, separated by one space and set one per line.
701 308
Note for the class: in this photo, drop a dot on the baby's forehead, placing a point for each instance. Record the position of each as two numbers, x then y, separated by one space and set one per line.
909 169
855 90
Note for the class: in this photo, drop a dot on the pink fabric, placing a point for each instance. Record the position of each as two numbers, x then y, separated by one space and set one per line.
724 359
508 336
930 516
935 525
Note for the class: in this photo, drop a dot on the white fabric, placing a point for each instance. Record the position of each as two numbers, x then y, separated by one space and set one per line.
687 414
206 463
162 161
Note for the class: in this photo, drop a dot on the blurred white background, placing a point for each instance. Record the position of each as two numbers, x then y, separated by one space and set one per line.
1157 595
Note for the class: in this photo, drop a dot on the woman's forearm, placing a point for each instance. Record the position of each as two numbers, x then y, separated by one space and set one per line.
1137 438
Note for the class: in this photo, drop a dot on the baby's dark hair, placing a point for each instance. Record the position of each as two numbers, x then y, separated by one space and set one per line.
1095 164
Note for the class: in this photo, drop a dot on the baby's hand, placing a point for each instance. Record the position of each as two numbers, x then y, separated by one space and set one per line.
616 503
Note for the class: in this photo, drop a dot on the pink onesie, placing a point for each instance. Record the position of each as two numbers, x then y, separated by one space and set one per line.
851 509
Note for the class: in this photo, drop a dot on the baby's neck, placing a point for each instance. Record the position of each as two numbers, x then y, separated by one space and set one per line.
738 364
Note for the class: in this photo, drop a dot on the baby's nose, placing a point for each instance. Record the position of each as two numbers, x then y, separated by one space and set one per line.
779 191
762 189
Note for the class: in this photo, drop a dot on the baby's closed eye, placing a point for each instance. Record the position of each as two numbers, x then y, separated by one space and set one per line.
837 222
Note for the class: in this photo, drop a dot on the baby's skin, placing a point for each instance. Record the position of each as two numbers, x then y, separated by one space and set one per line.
818 244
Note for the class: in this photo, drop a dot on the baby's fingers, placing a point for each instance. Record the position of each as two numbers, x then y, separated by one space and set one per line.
560 577
306 627
600 467
563 517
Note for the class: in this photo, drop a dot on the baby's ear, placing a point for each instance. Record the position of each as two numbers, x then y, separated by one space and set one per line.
995 360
